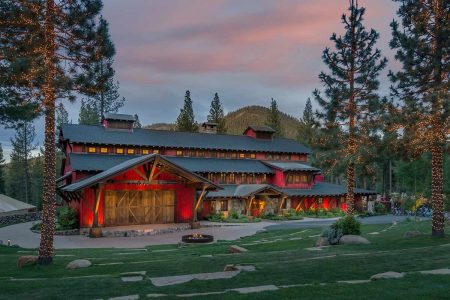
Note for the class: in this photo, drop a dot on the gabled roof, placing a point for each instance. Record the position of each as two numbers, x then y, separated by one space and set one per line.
102 162
290 166
260 128
96 134
242 190
8 204
120 117
325 189
129 164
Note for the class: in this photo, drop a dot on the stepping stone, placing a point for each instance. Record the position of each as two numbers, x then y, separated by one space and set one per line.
437 272
255 289
132 278
353 281
172 280
78 264
351 239
387 275
129 297
246 268
156 295
236 249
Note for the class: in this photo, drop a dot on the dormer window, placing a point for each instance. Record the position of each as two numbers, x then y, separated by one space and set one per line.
130 151
241 155
119 151
145 151
179 153
103 150
92 149
119 122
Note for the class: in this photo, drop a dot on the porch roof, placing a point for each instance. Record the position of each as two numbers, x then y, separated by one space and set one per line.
325 189
243 190
291 166
131 163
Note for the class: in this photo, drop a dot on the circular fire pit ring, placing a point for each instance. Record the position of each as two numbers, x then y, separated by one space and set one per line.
197 238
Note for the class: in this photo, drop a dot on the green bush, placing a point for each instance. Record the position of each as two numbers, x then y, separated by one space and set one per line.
348 225
380 208
233 215
218 217
67 218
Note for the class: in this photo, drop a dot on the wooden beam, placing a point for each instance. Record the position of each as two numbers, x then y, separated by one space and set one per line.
250 205
200 198
137 171
297 208
282 201
152 172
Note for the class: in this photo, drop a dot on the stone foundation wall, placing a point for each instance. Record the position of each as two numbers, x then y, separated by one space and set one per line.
14 219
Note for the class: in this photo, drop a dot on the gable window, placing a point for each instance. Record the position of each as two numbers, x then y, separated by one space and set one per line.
130 151
119 150
144 151
92 149
103 150
179 153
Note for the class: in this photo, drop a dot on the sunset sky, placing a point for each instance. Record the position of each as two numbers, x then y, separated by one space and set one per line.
247 51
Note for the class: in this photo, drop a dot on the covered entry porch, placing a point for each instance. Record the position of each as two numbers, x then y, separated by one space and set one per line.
143 190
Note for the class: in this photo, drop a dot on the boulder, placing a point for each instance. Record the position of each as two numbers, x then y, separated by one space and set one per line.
412 233
236 249
351 239
387 275
230 268
79 263
27 260
322 241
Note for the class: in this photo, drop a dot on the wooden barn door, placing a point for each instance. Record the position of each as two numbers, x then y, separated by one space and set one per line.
139 207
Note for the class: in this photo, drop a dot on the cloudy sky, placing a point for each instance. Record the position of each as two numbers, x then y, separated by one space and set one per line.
247 51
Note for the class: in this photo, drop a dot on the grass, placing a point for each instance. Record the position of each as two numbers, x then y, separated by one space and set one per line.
280 258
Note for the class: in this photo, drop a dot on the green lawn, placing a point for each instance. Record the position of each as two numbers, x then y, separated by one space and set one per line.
284 262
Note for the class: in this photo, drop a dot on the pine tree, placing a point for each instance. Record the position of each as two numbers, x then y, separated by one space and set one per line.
423 47
22 147
2 171
307 127
186 119
37 168
88 114
54 40
350 104
216 115
102 90
137 123
273 119
308 115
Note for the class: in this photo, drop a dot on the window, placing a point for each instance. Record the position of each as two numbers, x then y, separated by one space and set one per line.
263 178
200 153
244 178
103 150
179 153
269 156
297 178
233 155
287 157
119 150
222 155
223 205
156 151
304 179
320 200
130 151
144 151
276 157
252 155
232 178
222 178
241 155
213 154
92 149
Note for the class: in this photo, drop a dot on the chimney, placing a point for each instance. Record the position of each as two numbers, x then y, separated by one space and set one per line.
209 127
119 122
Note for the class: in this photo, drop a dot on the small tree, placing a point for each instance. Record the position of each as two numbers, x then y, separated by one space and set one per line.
137 123
307 127
350 105
273 119
186 118
88 114
216 114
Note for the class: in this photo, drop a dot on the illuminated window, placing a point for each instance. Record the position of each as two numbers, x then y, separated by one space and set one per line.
200 153
179 153
103 150
233 155
92 149
144 151
192 153
304 179
119 150
241 155
222 155
297 178
232 178
244 178
320 200
156 151
222 178
252 155
223 205
130 151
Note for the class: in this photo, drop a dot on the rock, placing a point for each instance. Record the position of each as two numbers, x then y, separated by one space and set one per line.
79 263
322 241
351 239
246 268
387 275
230 268
27 260
437 272
236 249
413 233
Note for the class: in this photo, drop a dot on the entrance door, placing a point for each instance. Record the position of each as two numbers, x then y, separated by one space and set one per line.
139 207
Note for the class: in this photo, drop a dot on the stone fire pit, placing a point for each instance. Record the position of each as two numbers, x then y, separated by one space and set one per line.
197 238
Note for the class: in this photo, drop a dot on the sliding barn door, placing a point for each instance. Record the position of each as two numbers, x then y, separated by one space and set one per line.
139 207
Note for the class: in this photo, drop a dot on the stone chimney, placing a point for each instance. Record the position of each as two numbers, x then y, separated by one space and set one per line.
209 127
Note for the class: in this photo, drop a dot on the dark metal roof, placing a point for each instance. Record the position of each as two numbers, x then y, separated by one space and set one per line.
136 161
120 117
260 128
242 190
96 134
325 189
290 166
102 162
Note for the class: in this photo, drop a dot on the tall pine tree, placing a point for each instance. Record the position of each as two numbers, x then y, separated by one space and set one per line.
2 171
88 114
103 91
422 42
55 39
349 102
307 127
273 119
216 115
186 118
19 185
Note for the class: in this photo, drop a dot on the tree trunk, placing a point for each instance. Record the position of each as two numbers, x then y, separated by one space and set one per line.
437 199
350 188
46 249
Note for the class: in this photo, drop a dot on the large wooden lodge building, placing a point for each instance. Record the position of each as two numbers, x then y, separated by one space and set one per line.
114 174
